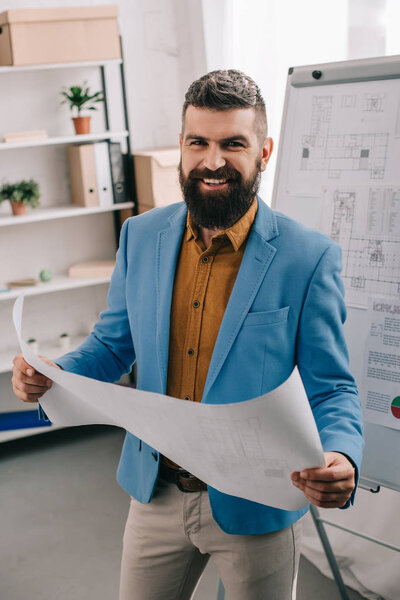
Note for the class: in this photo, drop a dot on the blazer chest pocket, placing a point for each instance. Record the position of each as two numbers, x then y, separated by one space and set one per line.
268 317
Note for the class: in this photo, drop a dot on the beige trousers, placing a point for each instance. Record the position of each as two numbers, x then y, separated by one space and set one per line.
168 542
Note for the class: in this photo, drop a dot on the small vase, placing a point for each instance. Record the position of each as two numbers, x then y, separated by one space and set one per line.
65 341
34 346
18 208
82 125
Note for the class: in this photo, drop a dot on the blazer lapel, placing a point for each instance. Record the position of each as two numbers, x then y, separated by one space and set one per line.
168 247
257 258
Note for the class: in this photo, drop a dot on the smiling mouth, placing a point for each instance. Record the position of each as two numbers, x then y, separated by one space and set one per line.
214 183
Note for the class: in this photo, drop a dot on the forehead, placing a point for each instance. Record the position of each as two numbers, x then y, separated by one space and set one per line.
219 124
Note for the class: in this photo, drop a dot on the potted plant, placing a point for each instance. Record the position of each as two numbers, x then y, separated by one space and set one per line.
20 194
80 98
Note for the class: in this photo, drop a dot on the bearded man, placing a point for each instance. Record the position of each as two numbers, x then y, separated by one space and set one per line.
217 298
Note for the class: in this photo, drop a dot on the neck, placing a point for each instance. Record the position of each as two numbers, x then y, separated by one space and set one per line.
207 234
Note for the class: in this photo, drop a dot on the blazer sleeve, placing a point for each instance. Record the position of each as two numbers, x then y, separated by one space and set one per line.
108 352
322 358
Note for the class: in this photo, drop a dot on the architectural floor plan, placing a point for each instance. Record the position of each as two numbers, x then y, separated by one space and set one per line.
366 224
324 150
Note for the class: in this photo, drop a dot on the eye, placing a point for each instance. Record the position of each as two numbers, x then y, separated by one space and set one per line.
233 144
197 143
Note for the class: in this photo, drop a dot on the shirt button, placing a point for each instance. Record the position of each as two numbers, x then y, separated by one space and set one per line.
190 351
155 456
187 398
196 304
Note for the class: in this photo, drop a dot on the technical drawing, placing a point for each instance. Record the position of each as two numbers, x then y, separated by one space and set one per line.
371 253
374 102
337 153
349 100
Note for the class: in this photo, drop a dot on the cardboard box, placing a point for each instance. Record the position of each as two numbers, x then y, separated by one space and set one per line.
156 177
51 35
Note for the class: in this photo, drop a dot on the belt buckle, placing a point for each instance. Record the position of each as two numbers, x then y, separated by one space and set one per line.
185 475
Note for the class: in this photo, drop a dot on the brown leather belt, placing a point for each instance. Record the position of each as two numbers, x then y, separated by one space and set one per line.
185 481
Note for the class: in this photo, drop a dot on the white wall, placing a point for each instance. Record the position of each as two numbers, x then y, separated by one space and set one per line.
264 38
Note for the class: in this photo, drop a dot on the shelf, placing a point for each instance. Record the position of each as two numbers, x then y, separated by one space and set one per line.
68 139
13 434
60 212
47 349
57 284
67 65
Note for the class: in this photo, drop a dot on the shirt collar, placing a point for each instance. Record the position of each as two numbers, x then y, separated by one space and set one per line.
236 234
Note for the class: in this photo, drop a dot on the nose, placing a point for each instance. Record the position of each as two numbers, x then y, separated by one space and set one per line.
213 158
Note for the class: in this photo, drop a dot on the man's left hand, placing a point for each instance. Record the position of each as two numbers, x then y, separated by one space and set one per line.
330 486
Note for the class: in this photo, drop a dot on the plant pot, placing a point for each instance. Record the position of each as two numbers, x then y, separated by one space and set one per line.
18 208
82 125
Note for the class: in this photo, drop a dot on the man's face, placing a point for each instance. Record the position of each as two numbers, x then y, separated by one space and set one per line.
221 164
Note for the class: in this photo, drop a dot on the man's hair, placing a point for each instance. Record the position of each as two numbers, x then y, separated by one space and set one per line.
227 90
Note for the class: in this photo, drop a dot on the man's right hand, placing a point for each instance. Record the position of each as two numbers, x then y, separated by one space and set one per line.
28 384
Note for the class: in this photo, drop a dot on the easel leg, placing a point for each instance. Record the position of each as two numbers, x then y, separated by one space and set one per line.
220 590
329 553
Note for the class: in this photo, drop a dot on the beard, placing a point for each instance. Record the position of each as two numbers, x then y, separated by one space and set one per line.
219 209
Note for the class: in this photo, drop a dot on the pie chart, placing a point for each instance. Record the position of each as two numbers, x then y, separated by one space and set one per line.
396 407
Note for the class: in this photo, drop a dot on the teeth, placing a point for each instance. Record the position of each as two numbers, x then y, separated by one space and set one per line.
214 181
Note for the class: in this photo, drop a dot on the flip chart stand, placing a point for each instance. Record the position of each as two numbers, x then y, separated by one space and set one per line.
320 526
220 590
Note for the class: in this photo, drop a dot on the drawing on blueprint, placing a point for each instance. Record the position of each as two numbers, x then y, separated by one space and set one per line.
234 441
349 100
371 253
374 102
322 151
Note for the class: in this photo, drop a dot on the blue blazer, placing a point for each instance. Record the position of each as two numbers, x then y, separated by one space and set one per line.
286 308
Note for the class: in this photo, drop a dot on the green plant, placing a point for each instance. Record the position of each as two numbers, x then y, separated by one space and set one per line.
79 97
21 192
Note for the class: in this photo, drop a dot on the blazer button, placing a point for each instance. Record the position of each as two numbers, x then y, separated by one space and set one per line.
154 455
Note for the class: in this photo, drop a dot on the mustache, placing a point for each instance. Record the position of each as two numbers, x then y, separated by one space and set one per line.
225 172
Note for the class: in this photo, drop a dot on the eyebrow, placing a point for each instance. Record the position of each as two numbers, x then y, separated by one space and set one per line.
233 138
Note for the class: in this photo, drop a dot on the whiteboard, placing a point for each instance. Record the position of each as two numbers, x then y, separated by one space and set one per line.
338 171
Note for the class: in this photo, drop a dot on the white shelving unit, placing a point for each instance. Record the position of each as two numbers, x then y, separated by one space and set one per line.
59 212
59 283
66 139
13 434
67 302
66 65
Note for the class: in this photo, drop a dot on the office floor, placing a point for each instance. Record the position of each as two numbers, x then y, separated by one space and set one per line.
62 518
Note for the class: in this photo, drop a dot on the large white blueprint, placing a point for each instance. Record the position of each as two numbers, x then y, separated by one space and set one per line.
246 449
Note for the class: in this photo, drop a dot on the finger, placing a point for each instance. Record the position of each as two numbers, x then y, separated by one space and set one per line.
29 387
26 396
342 486
20 363
37 379
332 473
26 373
324 499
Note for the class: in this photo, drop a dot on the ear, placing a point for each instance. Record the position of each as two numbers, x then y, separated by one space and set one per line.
180 141
266 152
